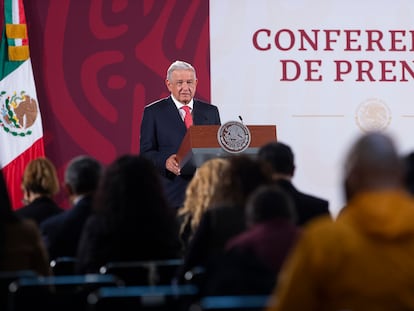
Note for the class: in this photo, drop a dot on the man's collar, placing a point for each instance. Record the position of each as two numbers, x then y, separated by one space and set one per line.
78 198
179 105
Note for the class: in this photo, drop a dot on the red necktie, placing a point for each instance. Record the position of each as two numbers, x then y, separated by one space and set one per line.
188 119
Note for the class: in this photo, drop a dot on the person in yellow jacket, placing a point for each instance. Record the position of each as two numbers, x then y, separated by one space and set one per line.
363 260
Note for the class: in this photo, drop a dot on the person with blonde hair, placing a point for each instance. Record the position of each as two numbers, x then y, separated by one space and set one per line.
201 194
40 184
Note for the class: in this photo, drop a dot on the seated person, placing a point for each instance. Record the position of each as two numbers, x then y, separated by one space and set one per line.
253 258
21 245
61 233
364 259
40 183
200 196
132 220
281 159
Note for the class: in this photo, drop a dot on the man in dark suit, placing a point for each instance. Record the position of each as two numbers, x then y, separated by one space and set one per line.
281 159
163 127
61 233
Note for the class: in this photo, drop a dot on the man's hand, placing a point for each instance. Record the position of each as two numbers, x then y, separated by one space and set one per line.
171 164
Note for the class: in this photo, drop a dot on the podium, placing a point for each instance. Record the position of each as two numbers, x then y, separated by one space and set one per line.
201 144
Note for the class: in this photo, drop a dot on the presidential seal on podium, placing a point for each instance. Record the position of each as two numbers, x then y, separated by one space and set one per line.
234 137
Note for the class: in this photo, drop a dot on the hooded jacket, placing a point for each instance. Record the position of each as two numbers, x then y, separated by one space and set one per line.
364 260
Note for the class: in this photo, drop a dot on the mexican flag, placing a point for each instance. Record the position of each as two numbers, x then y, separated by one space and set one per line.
21 133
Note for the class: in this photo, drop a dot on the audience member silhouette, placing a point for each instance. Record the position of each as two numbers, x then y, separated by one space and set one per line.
21 245
270 216
253 258
200 196
364 259
132 220
227 218
61 233
40 183
281 159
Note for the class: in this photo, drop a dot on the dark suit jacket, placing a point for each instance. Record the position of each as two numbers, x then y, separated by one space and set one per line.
307 206
61 233
162 130
39 210
217 226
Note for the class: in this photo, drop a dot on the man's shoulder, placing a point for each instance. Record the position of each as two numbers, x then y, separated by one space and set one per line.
301 196
202 104
61 218
158 103
322 226
317 201
310 206
311 199
52 222
25 210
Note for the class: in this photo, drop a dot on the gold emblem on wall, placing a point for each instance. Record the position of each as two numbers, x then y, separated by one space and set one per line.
373 115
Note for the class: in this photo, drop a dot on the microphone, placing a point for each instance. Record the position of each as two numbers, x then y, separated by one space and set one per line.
241 119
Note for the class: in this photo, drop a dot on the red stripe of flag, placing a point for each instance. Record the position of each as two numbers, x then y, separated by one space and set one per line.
13 172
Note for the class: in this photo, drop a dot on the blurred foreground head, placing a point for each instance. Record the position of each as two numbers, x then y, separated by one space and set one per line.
372 164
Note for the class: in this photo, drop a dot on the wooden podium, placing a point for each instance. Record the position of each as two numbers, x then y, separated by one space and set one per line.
201 144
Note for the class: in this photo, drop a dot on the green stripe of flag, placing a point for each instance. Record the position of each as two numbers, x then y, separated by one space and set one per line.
8 11
8 18
6 66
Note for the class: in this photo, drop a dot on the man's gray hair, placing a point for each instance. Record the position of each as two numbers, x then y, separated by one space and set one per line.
83 174
179 65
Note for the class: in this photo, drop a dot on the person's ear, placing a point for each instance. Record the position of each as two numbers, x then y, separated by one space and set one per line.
26 196
168 84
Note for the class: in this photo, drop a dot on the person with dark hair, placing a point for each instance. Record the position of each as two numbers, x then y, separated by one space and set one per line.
270 217
281 159
364 259
61 233
132 220
269 202
21 245
40 183
164 125
253 258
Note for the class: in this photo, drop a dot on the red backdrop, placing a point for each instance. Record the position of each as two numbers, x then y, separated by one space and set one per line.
97 64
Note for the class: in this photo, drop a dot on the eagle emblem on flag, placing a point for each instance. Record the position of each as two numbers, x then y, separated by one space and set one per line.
18 113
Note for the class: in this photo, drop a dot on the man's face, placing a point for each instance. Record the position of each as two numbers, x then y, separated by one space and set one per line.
182 85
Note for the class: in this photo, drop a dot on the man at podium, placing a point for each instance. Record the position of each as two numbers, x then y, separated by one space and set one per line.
164 125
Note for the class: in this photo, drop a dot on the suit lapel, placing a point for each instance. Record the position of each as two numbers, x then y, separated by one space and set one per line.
174 114
198 116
